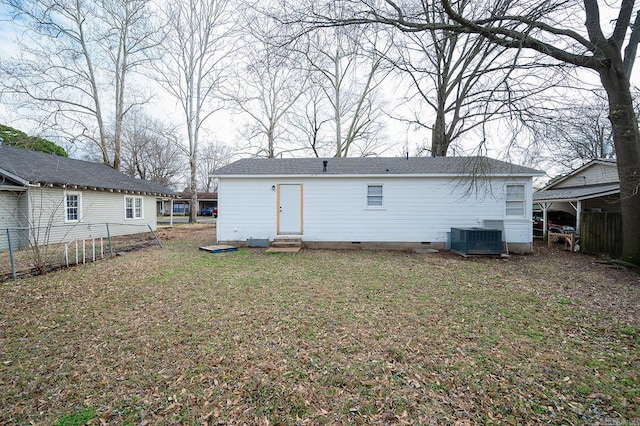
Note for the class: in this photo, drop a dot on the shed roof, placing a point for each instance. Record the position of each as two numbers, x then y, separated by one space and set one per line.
25 167
446 166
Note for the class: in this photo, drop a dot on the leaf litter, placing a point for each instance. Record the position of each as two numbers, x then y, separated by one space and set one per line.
175 335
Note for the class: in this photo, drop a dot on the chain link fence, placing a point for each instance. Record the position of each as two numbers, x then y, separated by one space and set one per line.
37 250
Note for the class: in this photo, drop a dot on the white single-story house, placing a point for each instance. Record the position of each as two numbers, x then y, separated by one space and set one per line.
593 187
373 202
74 197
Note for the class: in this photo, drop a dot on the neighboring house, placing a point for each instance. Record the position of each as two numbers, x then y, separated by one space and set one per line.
373 202
593 187
182 205
45 190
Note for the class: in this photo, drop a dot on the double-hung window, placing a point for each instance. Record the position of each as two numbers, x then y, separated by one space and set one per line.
133 208
374 196
72 207
515 200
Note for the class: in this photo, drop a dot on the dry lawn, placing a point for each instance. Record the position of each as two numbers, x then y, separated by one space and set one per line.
181 336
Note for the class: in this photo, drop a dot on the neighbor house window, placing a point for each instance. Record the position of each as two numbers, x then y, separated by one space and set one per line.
374 195
133 207
515 200
72 207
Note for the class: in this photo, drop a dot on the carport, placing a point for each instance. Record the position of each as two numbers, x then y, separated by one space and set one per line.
589 197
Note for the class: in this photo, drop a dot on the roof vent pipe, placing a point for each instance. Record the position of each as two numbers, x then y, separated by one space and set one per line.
324 165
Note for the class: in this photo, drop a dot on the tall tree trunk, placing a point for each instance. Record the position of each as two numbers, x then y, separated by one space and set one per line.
626 141
336 105
439 139
193 189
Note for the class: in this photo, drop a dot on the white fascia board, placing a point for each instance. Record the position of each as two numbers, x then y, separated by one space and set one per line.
585 197
373 176
14 177
13 188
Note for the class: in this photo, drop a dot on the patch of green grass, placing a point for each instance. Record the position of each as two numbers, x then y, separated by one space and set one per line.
79 418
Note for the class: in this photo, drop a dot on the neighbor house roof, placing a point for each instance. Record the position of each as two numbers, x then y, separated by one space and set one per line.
456 166
26 167
581 192
202 196
609 162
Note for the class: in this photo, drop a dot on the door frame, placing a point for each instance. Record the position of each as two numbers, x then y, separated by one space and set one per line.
301 198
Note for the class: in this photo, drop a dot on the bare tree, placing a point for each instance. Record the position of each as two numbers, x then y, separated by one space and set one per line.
460 81
193 67
151 151
349 76
577 132
309 120
268 82
213 155
76 61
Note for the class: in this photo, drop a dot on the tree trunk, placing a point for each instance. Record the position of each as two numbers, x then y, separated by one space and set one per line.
627 144
193 188
439 140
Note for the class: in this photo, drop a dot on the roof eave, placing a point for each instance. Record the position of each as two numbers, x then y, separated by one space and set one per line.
570 199
373 175
73 186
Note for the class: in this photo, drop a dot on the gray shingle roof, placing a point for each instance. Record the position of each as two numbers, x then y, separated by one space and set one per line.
576 192
48 169
482 166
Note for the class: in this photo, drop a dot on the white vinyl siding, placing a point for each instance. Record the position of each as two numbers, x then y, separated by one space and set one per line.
374 195
515 201
593 175
133 208
415 209
73 207
96 209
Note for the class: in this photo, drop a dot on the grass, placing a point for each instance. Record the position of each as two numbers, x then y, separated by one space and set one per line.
177 335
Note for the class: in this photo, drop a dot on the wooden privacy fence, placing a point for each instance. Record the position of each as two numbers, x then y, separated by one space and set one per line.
601 233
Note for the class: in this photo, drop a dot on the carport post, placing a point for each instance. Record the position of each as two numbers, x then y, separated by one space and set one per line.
544 206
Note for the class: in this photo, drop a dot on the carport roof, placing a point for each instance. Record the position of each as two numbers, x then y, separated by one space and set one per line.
576 193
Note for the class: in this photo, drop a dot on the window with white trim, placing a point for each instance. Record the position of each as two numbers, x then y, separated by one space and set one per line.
374 196
72 207
515 200
133 208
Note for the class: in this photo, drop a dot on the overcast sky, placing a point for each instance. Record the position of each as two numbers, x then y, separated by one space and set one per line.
224 126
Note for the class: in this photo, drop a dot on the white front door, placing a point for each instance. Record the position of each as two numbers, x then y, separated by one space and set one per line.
289 209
